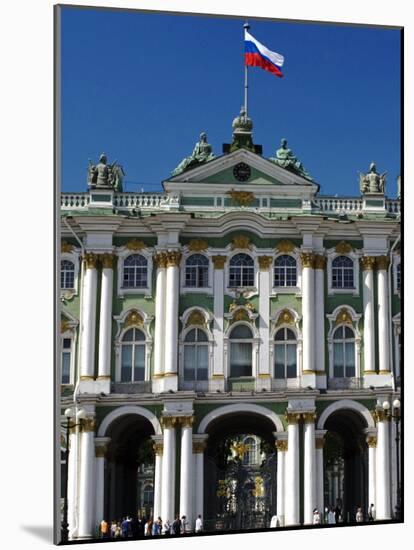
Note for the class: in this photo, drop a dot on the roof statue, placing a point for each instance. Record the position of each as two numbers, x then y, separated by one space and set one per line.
286 159
203 152
372 182
104 175
242 132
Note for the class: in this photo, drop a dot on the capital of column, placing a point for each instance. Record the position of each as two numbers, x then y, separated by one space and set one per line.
90 260
219 261
173 258
292 417
380 415
186 421
107 260
160 259
88 424
308 259
158 448
264 262
371 441
199 447
101 446
282 445
309 417
320 262
382 262
367 263
169 421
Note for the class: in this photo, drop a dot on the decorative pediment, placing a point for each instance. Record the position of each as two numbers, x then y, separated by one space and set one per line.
67 322
133 317
244 312
196 316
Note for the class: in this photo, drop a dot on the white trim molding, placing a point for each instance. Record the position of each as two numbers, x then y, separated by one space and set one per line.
346 404
119 412
74 257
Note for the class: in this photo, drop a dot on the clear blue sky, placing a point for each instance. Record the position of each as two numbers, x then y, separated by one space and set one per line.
141 87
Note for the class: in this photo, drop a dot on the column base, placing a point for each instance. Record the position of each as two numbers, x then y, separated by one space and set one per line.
378 380
321 381
263 383
217 384
308 378
157 384
169 382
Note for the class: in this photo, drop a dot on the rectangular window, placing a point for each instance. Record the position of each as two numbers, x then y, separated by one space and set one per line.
338 361
280 362
202 366
189 362
291 360
126 364
139 363
66 359
240 359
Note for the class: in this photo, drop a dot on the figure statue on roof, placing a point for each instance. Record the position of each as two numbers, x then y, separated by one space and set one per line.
286 159
242 123
372 182
104 175
202 152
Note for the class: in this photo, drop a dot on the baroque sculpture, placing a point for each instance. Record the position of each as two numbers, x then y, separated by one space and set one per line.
242 132
104 175
202 153
372 182
286 159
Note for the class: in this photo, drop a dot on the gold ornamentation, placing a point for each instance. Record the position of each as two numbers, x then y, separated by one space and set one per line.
90 260
133 319
265 262
86 378
307 259
264 375
319 443
169 421
196 317
64 326
158 375
343 248
308 371
107 260
384 372
199 447
160 259
320 261
158 448
197 245
240 449
292 418
100 451
88 424
135 244
241 315
372 441
343 317
242 198
285 318
170 374
285 246
103 377
218 377
66 247
72 429
282 445
367 263
186 421
309 417
219 261
242 242
382 262
380 415
258 490
173 258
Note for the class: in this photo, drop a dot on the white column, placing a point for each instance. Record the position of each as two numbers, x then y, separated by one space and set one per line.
308 309
168 470
186 471
88 318
319 444
320 262
282 447
159 337
101 444
367 263
309 481
86 517
383 333
292 472
383 489
105 320
171 313
372 449
264 369
217 382
158 449
198 453
72 480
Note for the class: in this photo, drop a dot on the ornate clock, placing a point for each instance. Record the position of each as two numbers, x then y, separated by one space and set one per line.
242 171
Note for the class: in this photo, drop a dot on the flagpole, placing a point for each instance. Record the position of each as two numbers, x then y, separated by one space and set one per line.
246 27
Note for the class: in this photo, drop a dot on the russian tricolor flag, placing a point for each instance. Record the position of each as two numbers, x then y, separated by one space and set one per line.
257 55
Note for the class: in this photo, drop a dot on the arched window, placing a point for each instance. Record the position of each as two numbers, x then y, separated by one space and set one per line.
67 274
196 355
285 354
133 356
250 456
342 272
344 352
196 271
241 271
285 272
66 360
241 351
148 495
135 273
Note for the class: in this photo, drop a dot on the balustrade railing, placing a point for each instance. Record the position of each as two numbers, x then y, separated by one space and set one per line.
350 205
74 201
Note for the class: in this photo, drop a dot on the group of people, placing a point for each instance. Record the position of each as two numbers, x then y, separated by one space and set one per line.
137 527
333 515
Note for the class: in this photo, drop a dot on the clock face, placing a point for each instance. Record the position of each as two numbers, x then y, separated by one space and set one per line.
242 171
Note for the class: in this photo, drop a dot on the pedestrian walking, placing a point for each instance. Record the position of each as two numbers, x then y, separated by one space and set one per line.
176 526
118 530
359 516
167 528
104 529
148 528
371 512
184 525
198 524
316 517
113 529
331 516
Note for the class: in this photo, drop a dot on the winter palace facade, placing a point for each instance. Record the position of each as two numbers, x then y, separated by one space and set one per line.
239 301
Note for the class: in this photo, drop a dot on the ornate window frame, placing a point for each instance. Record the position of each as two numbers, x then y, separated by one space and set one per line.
396 261
196 317
133 317
122 253
255 340
352 254
297 289
68 329
344 315
286 317
74 257
192 289
233 291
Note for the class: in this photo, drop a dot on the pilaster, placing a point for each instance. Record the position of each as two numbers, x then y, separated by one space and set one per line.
217 381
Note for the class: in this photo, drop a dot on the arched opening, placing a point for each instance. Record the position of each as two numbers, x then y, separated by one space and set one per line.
345 465
130 468
240 472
